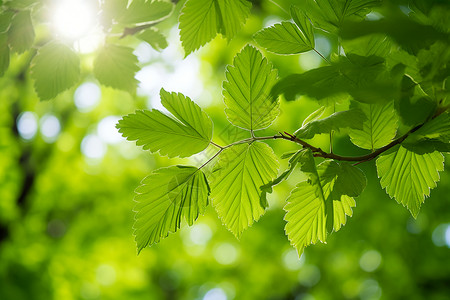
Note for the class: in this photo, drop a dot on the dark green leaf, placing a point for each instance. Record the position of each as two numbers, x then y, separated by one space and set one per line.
353 118
4 54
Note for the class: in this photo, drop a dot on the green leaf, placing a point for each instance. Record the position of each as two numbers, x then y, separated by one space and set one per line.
145 11
21 32
375 44
4 54
267 188
305 216
249 103
202 20
408 176
236 180
330 14
304 24
55 68
188 133
154 38
380 127
323 201
115 66
166 197
353 118
5 20
284 38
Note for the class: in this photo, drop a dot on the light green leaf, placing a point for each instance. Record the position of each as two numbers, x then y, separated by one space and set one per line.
353 118
202 20
5 20
249 103
188 133
154 38
284 38
4 54
21 32
408 176
55 68
315 115
305 216
304 24
236 180
166 197
145 11
380 127
115 66
341 209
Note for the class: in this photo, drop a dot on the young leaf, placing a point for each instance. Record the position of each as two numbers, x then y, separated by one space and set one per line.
380 127
341 209
154 38
284 38
236 180
188 134
305 216
4 54
21 32
201 20
249 103
145 11
55 68
353 118
408 176
166 197
115 66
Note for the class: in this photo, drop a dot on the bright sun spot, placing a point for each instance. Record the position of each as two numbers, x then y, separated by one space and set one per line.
73 19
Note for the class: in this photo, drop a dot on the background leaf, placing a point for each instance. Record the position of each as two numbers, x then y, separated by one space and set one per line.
408 176
249 103
236 180
146 11
380 127
154 38
166 197
188 134
115 66
4 54
21 32
55 68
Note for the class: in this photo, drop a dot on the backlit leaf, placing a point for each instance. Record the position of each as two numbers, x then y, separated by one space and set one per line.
236 180
283 38
145 11
115 66
202 20
55 68
187 133
166 197
409 176
380 127
4 54
249 103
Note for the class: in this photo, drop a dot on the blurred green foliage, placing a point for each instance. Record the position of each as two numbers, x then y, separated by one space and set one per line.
66 210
